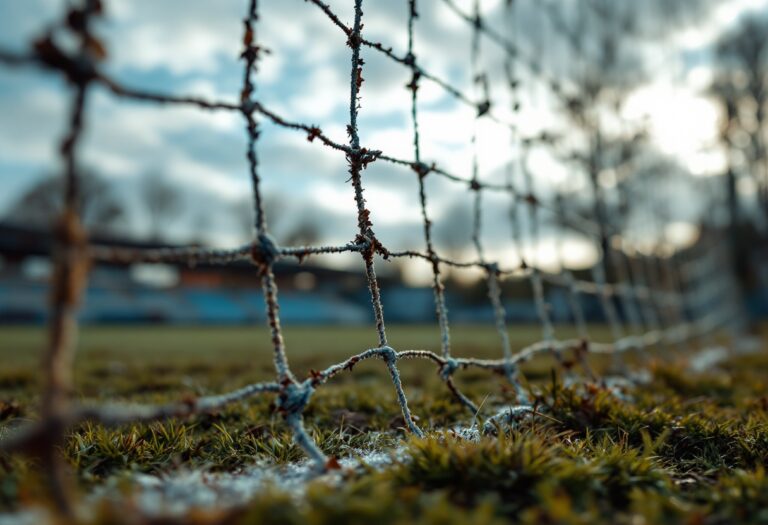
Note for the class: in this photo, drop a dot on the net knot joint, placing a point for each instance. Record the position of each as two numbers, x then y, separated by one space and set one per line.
264 251
421 169
294 397
388 354
448 368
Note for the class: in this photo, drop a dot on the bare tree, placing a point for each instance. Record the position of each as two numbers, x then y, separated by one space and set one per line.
100 208
243 216
606 68
161 202
304 233
740 87
453 232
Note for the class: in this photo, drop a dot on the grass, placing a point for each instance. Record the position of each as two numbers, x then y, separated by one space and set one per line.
685 448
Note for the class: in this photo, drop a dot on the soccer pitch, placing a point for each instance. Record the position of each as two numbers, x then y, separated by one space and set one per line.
686 445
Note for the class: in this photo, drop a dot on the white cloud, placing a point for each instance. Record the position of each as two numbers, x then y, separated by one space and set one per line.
32 125
683 123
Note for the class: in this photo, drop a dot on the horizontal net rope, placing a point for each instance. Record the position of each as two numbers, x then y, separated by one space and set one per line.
665 301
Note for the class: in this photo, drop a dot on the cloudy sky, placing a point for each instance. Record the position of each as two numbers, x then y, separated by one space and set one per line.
191 47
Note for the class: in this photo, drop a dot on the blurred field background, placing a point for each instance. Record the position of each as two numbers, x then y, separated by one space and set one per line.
175 359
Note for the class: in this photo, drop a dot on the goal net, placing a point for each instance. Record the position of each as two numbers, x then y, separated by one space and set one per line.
651 292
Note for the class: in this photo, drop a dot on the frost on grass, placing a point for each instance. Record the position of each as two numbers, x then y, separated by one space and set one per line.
508 417
180 492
